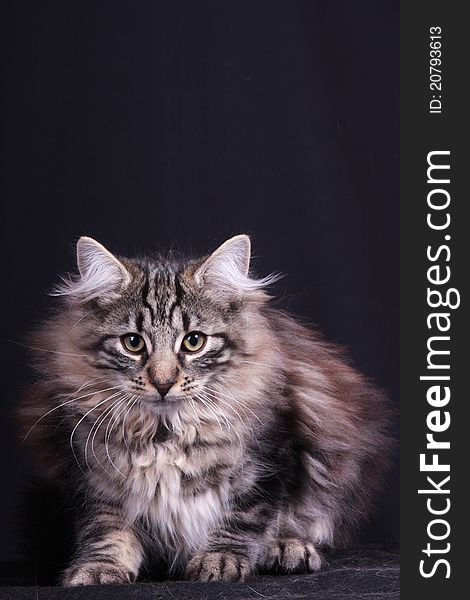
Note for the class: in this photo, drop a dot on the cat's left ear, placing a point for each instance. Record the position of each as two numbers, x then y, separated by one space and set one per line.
227 268
230 263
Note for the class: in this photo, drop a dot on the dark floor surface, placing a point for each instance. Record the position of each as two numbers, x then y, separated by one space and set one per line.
363 572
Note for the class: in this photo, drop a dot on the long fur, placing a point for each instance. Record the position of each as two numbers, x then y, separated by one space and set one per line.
268 447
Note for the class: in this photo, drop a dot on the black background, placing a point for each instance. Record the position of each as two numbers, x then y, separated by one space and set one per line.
176 124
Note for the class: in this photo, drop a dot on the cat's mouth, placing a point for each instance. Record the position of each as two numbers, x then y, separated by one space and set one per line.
161 402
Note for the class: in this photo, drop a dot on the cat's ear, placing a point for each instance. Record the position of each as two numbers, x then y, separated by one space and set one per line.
227 269
97 263
102 275
228 266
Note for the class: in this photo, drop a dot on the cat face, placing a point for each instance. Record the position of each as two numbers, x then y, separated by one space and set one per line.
165 339
165 332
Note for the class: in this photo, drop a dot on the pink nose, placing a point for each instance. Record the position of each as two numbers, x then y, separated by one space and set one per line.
164 388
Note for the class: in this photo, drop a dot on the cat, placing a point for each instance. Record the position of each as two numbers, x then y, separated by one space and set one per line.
190 421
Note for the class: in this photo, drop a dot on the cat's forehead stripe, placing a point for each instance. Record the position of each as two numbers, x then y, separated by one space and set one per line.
162 295
145 298
179 297
139 321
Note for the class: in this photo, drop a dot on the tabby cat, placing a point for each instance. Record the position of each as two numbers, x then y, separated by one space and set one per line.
189 420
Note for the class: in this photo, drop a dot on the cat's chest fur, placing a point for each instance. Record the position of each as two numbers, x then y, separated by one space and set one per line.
178 486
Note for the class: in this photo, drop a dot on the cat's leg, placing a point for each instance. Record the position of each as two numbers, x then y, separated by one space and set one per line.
107 550
232 551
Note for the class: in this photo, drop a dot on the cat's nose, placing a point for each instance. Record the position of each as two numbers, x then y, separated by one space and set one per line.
164 387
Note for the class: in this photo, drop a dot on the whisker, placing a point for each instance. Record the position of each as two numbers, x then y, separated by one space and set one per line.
214 405
202 413
66 403
78 424
133 403
97 392
240 403
243 424
96 425
127 399
80 320
198 397
44 349
252 362
217 410
193 407
114 407
217 398
114 420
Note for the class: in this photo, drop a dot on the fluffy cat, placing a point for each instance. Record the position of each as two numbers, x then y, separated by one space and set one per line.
190 421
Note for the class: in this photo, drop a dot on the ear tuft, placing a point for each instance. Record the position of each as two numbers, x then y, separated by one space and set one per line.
101 273
228 268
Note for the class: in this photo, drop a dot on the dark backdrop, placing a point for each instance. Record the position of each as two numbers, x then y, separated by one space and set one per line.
154 124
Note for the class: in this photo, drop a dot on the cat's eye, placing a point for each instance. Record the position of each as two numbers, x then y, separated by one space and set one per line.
133 342
193 341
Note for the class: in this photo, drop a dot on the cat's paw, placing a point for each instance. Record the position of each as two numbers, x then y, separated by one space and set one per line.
218 566
292 555
95 574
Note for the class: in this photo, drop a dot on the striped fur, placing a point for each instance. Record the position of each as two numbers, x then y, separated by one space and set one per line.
267 448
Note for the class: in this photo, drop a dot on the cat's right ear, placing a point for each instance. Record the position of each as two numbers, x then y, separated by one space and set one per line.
97 263
102 275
